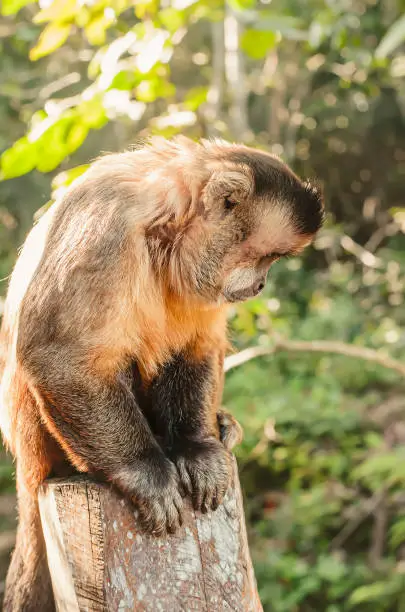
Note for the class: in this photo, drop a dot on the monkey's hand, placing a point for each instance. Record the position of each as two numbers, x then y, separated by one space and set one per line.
230 431
152 484
204 470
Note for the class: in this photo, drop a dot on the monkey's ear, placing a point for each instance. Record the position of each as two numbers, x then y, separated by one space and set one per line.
224 183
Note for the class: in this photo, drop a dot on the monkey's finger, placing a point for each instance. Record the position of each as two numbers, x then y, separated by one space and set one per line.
182 489
199 493
178 502
177 510
219 496
173 518
153 518
207 501
184 477
215 502
221 490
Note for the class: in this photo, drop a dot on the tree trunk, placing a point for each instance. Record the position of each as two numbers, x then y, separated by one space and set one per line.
99 558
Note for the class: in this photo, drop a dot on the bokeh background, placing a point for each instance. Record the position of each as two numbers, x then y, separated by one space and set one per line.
322 84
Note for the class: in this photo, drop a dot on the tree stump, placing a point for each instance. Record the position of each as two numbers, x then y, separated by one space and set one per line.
100 559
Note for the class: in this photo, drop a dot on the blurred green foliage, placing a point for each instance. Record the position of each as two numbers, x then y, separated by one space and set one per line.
321 83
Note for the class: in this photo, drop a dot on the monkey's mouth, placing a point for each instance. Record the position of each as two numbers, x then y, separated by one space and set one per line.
243 294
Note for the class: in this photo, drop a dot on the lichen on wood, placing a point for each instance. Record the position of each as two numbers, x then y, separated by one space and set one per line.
100 559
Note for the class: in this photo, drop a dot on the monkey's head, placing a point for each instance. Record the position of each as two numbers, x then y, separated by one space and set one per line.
261 212
230 213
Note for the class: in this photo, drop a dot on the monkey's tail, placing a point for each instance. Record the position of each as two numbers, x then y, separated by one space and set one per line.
28 583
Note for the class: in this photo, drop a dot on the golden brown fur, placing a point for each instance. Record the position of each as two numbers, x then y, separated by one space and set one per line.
114 330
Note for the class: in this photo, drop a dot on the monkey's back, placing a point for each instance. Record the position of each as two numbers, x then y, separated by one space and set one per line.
11 385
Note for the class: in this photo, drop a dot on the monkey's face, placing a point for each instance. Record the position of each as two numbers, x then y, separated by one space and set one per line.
259 211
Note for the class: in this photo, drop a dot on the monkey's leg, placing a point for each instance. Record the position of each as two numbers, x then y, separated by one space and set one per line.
182 399
103 431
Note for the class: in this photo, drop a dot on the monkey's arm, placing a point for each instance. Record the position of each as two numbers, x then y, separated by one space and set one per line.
103 430
184 401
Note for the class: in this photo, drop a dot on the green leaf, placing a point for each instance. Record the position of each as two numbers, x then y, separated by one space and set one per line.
11 7
95 30
257 44
146 8
149 91
242 5
195 97
289 27
397 533
381 468
19 159
172 19
92 113
65 178
125 80
76 136
330 569
372 592
52 37
59 10
52 145
392 38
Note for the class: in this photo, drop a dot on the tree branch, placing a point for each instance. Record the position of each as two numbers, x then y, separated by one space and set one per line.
316 346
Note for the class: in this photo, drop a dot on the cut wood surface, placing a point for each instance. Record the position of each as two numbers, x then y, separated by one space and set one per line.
100 559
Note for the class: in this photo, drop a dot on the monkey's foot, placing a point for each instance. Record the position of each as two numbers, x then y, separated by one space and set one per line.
230 431
204 470
154 487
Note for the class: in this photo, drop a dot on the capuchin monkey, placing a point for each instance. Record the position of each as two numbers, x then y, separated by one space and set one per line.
114 330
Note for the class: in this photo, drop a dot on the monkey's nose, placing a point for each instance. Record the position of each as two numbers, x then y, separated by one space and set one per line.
258 286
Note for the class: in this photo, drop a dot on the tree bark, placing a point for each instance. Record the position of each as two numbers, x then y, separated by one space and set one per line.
100 560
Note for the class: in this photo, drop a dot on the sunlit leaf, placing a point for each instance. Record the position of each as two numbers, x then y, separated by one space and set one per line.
10 7
125 79
242 5
147 8
195 97
65 178
52 37
392 38
58 10
289 27
172 19
18 159
52 145
96 28
120 5
150 90
92 113
257 44
76 136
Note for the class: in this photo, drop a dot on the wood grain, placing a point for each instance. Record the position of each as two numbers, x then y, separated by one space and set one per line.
100 559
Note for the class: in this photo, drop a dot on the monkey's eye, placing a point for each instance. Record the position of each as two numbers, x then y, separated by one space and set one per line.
229 204
273 256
